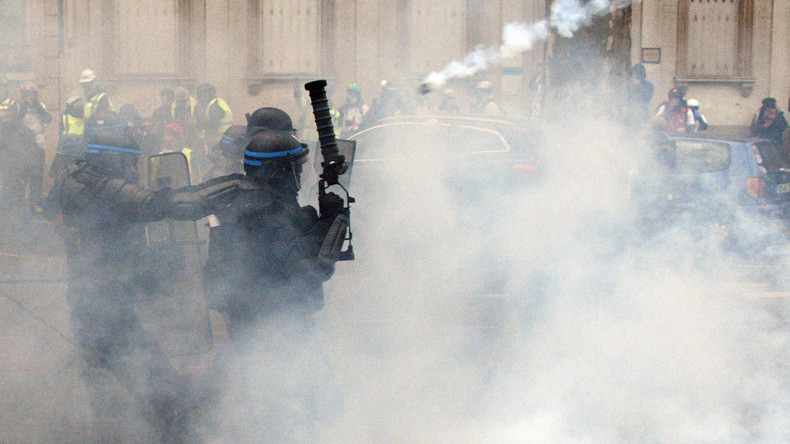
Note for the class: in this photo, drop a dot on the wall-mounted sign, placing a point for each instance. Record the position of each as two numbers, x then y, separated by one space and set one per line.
651 55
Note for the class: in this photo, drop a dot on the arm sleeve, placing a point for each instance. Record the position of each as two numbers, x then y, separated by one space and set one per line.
46 117
188 203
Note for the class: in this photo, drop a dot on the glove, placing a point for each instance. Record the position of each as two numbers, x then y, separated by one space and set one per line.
330 205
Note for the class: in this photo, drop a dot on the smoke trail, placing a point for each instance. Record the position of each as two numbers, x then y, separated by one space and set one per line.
567 17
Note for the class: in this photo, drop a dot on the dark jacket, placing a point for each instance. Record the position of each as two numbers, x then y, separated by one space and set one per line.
263 256
774 132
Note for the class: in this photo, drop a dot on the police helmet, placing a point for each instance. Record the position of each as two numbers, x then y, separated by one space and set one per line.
692 103
275 156
269 119
675 93
111 146
232 142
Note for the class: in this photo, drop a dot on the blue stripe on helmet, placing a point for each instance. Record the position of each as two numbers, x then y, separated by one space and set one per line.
250 162
113 148
296 150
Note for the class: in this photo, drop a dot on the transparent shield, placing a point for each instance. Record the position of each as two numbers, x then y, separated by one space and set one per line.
177 312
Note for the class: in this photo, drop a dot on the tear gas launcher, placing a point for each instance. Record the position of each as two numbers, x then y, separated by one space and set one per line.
333 166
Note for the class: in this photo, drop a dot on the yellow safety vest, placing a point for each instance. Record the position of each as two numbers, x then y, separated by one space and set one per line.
93 103
224 124
9 105
72 126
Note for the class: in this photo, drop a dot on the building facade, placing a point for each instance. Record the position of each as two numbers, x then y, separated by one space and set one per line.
729 54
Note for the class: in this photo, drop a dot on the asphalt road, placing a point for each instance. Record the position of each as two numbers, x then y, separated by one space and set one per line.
43 398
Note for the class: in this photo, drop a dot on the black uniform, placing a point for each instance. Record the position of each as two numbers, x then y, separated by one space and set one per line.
264 271
262 258
105 246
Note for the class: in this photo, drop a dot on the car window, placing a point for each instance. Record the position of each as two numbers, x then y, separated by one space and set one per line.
398 140
771 156
702 156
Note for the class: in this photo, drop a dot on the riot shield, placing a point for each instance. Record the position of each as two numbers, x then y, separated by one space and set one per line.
347 148
176 313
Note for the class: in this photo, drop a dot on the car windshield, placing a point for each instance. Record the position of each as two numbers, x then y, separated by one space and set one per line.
702 156
396 140
771 156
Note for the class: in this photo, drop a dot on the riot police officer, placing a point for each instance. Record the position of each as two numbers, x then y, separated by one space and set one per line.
103 211
265 274
263 252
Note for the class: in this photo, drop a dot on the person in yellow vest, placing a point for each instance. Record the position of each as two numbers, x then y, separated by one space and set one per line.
216 117
96 98
72 129
8 106
174 142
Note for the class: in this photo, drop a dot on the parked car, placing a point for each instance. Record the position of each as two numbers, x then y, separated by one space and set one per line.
473 152
718 180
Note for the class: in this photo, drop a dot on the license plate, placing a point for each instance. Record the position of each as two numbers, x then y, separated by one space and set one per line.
783 188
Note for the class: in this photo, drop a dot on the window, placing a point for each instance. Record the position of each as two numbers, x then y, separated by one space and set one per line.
286 37
13 38
714 39
696 156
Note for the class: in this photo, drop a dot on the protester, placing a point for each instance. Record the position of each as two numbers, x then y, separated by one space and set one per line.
675 115
216 118
640 92
72 128
449 104
34 116
770 123
163 114
352 111
96 99
701 121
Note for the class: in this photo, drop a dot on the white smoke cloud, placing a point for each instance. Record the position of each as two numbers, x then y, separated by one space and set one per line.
567 17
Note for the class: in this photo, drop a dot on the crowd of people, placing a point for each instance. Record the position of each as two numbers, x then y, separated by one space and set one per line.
681 115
